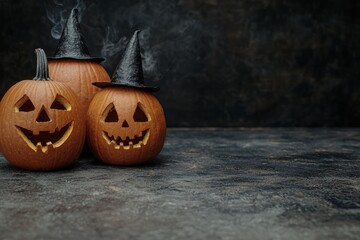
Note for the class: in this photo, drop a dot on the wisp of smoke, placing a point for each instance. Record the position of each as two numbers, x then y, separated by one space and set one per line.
58 12
148 59
112 45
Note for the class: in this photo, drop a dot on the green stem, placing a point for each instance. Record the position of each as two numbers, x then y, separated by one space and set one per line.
42 72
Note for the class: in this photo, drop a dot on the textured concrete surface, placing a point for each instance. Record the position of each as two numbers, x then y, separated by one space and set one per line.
206 184
218 62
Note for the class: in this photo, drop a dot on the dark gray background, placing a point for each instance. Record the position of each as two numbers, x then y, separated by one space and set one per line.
218 62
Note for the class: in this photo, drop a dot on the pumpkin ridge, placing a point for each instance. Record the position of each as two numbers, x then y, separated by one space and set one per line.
90 76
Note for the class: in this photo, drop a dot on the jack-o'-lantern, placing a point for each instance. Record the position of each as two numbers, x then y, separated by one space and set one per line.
73 65
125 122
42 128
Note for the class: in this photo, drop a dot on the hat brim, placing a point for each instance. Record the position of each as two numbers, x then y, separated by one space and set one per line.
110 84
95 59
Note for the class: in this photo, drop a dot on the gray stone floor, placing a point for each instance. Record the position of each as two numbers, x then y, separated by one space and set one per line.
206 184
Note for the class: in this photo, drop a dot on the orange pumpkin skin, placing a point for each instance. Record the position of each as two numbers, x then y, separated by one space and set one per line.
79 76
41 125
142 132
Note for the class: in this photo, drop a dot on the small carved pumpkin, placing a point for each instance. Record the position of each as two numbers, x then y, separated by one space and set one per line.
125 122
126 126
41 125
73 66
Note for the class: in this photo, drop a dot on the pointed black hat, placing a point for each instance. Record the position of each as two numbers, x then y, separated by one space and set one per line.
72 44
129 72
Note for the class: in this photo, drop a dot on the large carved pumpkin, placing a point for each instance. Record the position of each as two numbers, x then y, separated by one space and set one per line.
125 126
73 65
42 128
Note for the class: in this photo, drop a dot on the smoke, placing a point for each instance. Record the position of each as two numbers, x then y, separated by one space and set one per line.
173 42
58 12
112 45
149 56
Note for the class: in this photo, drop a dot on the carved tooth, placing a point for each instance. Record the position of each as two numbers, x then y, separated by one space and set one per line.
105 136
48 143
117 146
121 144
137 145
51 146
113 142
44 149
39 147
126 147
146 137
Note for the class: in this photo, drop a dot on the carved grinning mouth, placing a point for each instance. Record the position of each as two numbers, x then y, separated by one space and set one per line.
136 142
45 139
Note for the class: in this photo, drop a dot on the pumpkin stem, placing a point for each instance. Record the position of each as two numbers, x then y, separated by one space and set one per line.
42 72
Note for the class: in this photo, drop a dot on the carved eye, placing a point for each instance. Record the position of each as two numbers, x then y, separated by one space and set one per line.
24 105
140 114
60 103
110 114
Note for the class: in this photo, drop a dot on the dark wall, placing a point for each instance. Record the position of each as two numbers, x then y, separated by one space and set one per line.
219 63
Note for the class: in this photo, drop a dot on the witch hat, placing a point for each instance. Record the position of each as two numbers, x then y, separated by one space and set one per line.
72 44
129 72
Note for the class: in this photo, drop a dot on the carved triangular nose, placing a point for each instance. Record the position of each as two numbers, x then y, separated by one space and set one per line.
43 117
125 124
